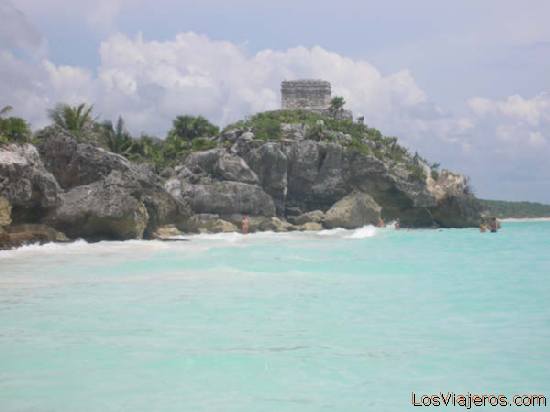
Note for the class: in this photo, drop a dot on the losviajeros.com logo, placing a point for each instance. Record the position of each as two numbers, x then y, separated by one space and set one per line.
470 400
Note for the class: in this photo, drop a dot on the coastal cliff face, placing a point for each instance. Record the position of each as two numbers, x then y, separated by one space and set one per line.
307 178
294 177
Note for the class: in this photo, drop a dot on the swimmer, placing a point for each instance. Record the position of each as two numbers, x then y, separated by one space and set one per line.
245 225
494 225
397 225
381 223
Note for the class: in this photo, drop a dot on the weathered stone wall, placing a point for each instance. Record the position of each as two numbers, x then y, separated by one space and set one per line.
305 94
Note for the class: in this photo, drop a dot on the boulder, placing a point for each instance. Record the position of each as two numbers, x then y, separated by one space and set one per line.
311 226
5 212
458 211
19 235
208 223
30 189
315 216
353 211
166 232
111 208
273 224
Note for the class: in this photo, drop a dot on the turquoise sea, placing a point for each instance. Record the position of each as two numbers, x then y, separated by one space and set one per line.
330 321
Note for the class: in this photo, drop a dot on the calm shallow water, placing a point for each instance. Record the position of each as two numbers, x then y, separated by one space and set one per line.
334 321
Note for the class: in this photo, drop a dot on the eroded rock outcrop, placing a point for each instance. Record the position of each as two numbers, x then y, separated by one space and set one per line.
301 175
92 175
5 212
353 211
110 208
221 183
24 234
26 184
210 223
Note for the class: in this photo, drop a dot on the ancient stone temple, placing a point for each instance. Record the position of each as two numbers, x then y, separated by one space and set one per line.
310 94
305 94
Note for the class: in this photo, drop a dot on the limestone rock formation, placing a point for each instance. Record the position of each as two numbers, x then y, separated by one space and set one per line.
5 212
315 216
210 223
166 232
353 211
77 165
106 209
24 234
271 164
221 183
310 226
30 189
226 198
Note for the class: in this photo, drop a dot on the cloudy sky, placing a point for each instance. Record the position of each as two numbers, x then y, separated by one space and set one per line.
464 83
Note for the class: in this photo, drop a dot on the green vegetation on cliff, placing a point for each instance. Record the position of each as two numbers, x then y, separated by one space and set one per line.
504 209
356 136
195 133
13 129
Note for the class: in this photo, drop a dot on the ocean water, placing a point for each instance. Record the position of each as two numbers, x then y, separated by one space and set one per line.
330 321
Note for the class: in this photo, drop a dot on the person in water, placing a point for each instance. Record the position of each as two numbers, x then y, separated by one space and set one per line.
483 228
494 225
245 225
397 224
381 223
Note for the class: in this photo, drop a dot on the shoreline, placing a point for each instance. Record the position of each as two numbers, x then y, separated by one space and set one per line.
351 234
525 219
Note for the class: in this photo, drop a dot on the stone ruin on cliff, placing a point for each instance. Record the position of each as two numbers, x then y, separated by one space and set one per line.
312 95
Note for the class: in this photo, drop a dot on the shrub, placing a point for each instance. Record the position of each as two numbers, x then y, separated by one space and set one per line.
337 103
201 143
14 129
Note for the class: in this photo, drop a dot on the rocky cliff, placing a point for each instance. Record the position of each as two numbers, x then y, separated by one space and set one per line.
308 176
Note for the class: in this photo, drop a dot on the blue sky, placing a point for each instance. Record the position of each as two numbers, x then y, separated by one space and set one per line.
465 83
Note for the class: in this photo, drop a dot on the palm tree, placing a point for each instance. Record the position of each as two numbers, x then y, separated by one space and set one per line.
190 127
117 137
73 119
5 110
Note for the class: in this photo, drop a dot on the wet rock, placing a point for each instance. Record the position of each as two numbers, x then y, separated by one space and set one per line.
25 234
315 216
166 232
311 226
5 212
208 223
353 211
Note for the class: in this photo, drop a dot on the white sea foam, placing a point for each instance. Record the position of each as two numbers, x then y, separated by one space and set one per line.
526 219
197 242
362 233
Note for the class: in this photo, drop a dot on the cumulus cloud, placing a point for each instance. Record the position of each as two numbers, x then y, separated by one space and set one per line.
532 111
517 121
150 82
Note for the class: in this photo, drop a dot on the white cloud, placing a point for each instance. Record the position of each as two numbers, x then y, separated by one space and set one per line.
150 82
531 111
519 123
